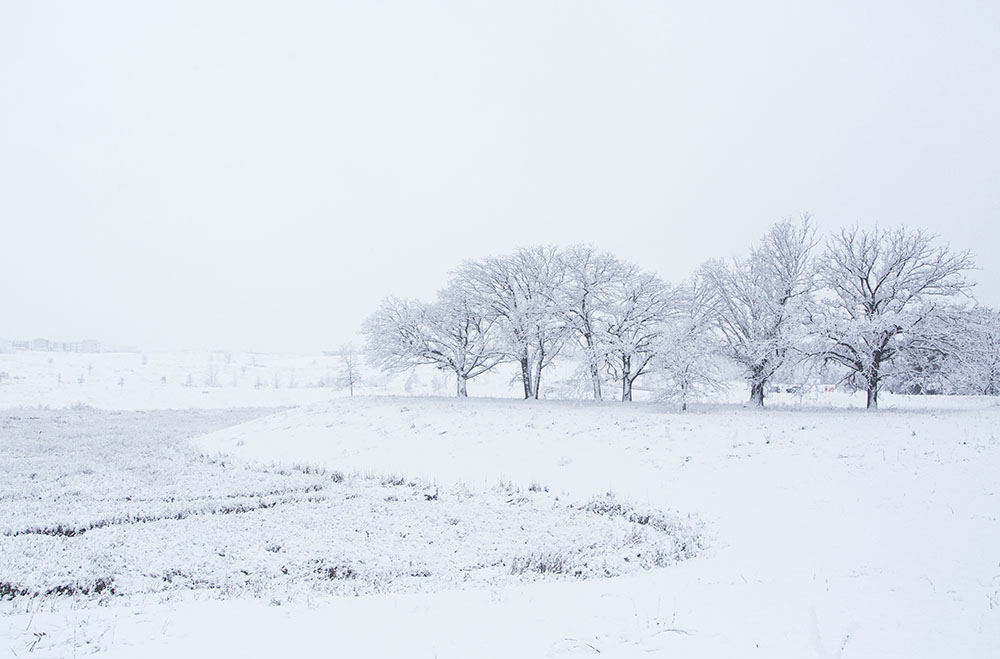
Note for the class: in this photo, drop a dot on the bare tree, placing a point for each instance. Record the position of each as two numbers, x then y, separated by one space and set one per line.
687 359
973 367
925 359
520 292
883 285
451 334
350 368
758 303
962 358
589 278
639 305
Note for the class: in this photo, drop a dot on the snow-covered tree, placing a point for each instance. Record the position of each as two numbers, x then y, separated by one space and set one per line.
972 365
924 359
886 288
520 292
687 365
587 292
452 334
758 303
350 368
638 305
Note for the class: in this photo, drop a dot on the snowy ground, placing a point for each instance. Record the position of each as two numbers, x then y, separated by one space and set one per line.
829 531
221 379
105 506
170 380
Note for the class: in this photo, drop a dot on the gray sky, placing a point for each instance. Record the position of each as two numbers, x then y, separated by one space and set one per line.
260 175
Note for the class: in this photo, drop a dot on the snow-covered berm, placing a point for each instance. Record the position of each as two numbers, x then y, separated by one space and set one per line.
829 532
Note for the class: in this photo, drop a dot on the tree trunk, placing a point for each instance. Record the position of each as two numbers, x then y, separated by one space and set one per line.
873 396
595 375
462 389
526 376
538 374
757 394
626 379
872 380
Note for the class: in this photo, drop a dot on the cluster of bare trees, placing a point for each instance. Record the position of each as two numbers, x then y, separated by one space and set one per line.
528 308
876 307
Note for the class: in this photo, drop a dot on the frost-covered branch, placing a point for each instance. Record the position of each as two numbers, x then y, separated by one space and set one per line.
880 308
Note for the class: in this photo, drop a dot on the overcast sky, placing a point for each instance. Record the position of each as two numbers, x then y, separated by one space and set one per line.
259 175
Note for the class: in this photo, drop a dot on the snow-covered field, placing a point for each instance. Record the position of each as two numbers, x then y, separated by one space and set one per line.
171 380
221 379
106 505
826 531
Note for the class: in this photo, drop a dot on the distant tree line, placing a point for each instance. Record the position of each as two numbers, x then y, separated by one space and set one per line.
878 309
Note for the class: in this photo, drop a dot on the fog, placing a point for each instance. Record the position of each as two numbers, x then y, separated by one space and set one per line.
259 175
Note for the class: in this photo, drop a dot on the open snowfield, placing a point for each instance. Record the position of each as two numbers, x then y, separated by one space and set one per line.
825 531
115 504
169 380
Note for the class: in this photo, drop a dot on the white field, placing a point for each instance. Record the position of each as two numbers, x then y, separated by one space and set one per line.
829 531
217 380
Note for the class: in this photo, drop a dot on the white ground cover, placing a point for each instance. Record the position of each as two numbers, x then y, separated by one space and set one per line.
829 532
103 506
220 379
165 380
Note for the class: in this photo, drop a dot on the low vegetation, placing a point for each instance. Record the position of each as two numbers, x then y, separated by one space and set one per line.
106 504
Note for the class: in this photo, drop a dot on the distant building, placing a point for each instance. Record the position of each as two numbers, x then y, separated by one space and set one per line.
44 345
64 346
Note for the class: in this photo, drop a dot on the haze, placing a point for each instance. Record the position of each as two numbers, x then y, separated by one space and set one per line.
259 175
